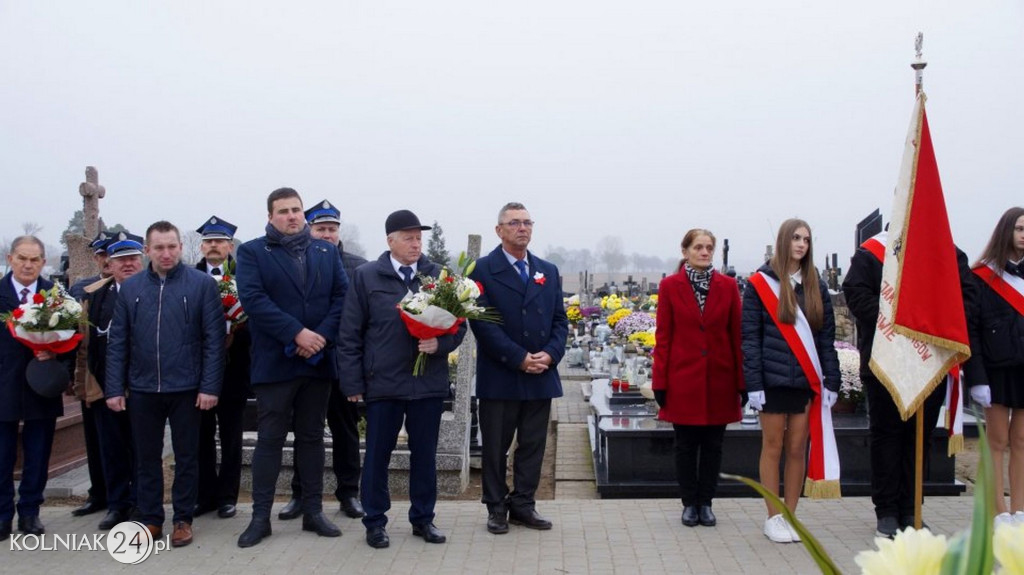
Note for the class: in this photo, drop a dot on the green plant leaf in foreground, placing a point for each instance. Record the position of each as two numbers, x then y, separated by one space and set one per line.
971 553
814 547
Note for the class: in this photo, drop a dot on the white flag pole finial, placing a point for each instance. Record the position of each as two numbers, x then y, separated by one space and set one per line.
918 64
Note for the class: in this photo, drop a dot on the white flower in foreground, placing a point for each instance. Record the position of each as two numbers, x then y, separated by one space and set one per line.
1008 545
54 319
912 552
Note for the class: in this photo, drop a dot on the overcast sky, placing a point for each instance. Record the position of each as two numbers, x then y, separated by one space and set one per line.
636 119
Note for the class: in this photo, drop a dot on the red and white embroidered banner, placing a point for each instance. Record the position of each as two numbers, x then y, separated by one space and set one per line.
922 330
823 463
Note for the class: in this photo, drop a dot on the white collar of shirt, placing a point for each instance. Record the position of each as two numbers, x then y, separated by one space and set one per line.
513 259
397 264
796 279
209 268
18 287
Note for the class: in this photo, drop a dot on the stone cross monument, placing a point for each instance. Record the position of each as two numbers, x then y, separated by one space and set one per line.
80 261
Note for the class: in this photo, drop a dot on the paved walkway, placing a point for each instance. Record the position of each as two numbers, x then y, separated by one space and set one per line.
590 536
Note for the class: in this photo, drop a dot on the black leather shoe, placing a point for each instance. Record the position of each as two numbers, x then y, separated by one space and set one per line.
31 525
377 538
254 533
691 517
202 509
226 511
5 530
351 507
429 533
318 523
707 517
290 511
497 522
112 518
529 518
90 506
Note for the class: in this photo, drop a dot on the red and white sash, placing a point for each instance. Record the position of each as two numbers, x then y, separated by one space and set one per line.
823 463
876 245
1008 286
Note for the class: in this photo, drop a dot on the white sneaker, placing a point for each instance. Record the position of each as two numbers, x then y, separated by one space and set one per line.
792 532
775 529
1004 518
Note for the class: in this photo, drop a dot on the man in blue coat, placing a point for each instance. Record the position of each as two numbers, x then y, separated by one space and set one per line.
18 402
292 287
376 354
516 373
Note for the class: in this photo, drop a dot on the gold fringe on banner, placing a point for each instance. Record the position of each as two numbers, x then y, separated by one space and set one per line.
823 489
956 444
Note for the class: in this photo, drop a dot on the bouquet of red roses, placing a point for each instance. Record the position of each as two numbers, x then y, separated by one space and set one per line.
48 322
234 315
442 304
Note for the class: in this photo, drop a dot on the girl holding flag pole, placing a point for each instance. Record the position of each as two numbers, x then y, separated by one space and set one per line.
999 384
792 375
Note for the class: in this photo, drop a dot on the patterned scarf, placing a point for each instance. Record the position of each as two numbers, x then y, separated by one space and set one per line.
701 282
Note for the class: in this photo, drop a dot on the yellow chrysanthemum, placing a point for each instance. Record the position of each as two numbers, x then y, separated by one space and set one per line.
611 302
644 338
574 314
615 317
1006 543
911 552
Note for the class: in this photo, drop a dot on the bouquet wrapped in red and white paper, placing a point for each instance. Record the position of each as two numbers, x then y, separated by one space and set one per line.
48 322
442 304
234 315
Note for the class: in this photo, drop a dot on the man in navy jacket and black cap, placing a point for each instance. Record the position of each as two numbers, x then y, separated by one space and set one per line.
376 355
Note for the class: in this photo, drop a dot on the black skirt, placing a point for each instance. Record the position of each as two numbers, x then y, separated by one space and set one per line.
1007 384
787 400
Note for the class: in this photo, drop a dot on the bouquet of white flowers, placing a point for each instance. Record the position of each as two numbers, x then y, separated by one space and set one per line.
48 322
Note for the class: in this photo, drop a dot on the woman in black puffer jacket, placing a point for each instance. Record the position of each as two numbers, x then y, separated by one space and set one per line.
775 381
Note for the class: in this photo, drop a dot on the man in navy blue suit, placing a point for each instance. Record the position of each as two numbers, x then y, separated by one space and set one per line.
292 286
516 368
18 402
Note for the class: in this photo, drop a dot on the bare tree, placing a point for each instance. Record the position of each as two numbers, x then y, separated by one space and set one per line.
191 251
348 234
609 250
31 228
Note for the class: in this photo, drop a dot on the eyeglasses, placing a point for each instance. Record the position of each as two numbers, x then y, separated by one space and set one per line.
518 224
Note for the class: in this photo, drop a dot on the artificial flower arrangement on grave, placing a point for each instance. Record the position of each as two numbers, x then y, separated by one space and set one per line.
589 312
644 338
918 551
611 302
572 300
650 304
574 314
442 304
234 315
617 316
634 322
851 388
48 322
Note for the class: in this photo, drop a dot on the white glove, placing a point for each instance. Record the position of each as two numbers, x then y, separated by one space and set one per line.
829 397
755 399
982 394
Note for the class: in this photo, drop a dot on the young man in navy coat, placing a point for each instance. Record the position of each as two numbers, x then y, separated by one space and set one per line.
292 287
18 402
517 373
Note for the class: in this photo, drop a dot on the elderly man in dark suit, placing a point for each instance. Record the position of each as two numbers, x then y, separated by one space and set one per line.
293 287
18 402
218 488
516 368
376 355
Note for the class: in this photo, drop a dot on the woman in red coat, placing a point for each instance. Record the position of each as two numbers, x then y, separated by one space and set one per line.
698 369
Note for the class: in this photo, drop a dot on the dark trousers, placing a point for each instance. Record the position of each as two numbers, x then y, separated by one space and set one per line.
302 400
343 421
97 484
118 456
500 420
220 487
36 442
384 420
148 412
698 461
892 448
